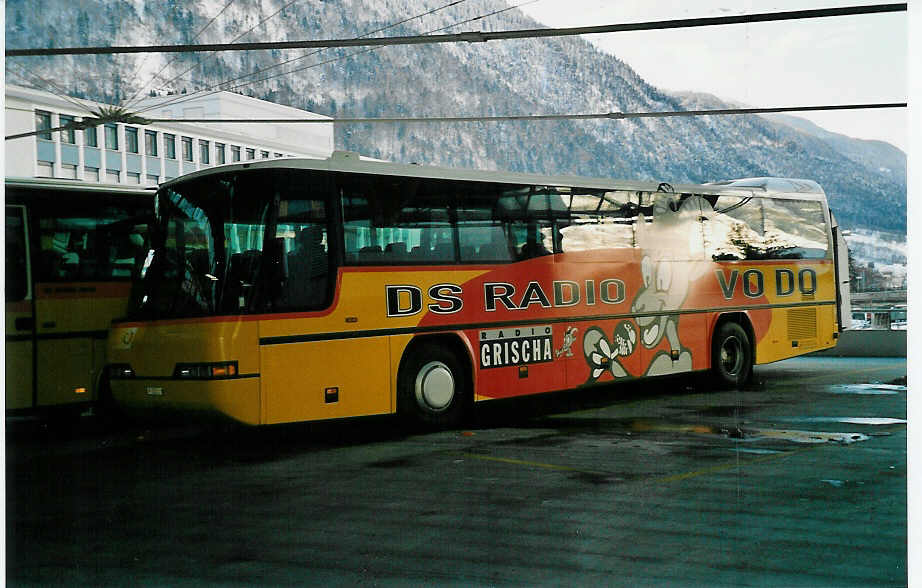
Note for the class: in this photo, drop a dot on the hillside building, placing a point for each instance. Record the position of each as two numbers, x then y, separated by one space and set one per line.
119 153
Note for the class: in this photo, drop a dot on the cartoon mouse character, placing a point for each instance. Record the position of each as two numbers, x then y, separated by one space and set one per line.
662 291
673 249
673 229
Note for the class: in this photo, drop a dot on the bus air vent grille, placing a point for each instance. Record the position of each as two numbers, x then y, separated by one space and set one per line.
801 323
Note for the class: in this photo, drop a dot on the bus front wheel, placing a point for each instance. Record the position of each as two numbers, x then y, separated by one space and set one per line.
731 355
432 386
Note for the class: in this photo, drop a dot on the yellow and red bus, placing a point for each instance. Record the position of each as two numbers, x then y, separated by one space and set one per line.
295 290
70 250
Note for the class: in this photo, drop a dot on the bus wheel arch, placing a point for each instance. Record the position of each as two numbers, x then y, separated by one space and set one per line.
732 350
435 381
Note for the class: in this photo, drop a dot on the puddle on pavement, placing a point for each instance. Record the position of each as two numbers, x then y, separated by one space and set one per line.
756 451
805 436
845 420
868 389
749 434
842 483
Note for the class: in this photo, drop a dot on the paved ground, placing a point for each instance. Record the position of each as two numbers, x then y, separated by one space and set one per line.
799 480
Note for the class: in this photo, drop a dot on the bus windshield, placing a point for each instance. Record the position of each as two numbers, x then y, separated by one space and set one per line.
235 244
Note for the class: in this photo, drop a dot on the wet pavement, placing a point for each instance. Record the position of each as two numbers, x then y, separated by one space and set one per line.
798 480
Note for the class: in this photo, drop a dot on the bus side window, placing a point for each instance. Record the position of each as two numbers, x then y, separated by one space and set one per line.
17 283
734 229
794 229
302 274
671 227
598 220
308 269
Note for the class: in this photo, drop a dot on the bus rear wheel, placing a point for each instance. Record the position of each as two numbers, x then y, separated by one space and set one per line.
731 356
432 386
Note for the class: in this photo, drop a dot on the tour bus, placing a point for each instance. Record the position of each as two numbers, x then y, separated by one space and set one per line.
71 247
294 290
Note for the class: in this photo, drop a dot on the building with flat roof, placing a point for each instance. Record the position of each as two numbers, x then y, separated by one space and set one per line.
129 154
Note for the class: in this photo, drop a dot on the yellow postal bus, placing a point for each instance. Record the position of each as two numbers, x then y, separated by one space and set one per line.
70 250
295 290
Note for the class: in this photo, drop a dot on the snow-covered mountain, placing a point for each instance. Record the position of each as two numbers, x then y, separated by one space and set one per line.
865 180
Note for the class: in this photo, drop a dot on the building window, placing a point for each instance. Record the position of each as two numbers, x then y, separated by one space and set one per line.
251 154
70 135
187 148
131 139
219 153
264 155
133 178
91 174
279 155
152 179
112 176
235 153
203 149
112 137
42 122
90 138
169 145
150 143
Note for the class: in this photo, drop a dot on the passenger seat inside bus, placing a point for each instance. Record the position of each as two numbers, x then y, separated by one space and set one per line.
396 251
307 270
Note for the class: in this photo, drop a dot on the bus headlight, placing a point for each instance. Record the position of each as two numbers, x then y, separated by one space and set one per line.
200 371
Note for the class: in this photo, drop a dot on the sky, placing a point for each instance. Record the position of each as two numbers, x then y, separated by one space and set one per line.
837 60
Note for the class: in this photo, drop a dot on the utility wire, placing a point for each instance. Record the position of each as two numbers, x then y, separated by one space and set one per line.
219 87
369 50
312 53
29 77
475 36
240 36
131 100
538 117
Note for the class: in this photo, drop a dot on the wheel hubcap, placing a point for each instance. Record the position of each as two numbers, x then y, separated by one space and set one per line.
435 386
731 356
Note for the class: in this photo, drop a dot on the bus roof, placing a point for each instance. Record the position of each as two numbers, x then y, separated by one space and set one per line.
60 184
345 161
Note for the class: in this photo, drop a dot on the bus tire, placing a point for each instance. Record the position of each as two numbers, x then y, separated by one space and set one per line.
731 356
432 386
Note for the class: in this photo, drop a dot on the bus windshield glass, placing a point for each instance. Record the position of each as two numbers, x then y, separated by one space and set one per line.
235 244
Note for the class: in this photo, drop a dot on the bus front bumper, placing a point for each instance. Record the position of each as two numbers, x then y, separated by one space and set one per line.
233 398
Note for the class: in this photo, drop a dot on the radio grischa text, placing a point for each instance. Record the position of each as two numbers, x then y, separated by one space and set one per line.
516 346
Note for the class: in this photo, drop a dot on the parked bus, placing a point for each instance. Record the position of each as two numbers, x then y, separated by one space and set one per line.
297 290
70 250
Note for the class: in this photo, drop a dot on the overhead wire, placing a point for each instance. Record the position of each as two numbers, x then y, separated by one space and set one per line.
379 30
547 117
31 76
509 118
218 87
131 100
248 31
473 36
369 50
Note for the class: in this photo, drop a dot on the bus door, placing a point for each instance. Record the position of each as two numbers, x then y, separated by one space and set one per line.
86 251
843 298
20 321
